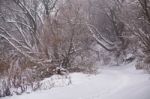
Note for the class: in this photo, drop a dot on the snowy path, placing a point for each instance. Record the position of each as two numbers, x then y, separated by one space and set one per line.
112 83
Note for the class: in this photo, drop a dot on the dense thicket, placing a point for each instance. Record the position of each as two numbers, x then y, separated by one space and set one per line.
40 37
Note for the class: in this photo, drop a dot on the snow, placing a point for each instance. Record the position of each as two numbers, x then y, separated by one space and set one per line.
129 56
55 81
116 82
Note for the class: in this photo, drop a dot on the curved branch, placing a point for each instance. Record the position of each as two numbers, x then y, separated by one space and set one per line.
99 42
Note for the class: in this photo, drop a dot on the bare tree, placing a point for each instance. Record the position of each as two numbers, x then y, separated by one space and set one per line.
107 27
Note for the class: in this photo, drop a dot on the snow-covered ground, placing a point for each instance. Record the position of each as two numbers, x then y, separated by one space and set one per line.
111 83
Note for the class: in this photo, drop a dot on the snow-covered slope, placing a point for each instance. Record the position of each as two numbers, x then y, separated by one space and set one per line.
111 83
